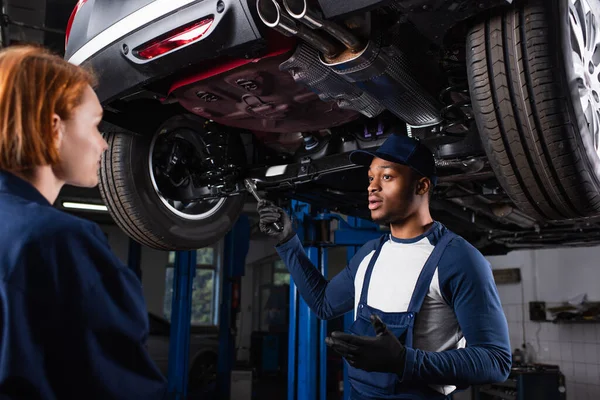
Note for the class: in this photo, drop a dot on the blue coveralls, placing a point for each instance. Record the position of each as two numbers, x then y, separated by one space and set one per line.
378 385
73 319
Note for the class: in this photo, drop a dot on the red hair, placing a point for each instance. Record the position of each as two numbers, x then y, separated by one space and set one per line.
34 85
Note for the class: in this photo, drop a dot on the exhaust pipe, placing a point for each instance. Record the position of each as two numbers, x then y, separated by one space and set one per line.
272 16
298 9
380 69
384 71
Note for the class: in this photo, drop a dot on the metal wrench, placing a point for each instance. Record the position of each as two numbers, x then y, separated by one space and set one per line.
251 186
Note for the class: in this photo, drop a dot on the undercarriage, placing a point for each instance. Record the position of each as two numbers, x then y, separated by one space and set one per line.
281 92
468 197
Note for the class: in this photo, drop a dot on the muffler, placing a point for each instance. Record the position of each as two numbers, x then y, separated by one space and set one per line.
274 17
384 72
299 10
378 68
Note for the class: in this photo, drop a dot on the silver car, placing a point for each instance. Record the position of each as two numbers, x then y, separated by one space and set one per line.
204 347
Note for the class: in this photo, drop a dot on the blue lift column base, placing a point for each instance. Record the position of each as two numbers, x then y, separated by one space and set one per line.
179 340
237 243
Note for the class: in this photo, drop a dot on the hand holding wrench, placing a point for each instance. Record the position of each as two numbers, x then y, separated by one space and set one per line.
251 186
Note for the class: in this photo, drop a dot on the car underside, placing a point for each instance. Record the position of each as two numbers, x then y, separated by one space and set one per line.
281 92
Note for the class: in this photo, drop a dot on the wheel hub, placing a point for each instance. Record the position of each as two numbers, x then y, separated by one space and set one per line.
178 170
584 22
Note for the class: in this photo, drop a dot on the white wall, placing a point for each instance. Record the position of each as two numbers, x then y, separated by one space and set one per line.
554 276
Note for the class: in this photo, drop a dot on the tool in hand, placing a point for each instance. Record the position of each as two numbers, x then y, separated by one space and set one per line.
251 186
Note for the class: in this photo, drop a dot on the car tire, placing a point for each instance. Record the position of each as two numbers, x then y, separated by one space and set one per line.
203 372
536 136
127 189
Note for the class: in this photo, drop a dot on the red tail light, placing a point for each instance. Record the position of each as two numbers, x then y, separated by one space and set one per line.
174 39
80 4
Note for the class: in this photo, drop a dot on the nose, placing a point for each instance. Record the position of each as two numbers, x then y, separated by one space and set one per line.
373 186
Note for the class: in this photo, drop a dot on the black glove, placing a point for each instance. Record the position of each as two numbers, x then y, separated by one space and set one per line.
270 213
382 353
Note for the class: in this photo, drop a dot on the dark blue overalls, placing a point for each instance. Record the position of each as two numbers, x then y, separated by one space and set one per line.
379 385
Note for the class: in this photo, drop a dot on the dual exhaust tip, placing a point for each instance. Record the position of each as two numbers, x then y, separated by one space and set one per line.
299 20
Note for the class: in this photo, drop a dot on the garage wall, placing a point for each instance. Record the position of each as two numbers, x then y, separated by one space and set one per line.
554 276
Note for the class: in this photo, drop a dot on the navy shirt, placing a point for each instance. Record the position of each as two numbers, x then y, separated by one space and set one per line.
461 332
73 320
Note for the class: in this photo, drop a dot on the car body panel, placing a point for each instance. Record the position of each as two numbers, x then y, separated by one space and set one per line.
110 54
202 341
95 16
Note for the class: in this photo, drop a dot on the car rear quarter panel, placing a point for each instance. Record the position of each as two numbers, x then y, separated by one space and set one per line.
97 15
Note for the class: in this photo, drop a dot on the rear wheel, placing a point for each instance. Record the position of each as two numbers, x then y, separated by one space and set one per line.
147 181
203 372
534 74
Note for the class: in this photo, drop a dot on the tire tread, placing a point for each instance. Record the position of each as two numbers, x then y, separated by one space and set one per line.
522 115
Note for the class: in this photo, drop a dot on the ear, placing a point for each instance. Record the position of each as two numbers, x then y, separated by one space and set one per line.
57 129
423 186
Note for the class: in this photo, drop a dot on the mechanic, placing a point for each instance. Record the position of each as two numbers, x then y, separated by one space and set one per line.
428 318
73 320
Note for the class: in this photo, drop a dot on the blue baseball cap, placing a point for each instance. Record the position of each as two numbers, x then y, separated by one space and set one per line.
401 149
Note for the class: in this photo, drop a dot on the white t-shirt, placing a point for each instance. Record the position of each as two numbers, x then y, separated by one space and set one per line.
395 276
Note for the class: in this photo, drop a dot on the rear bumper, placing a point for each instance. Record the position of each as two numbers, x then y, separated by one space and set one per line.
121 73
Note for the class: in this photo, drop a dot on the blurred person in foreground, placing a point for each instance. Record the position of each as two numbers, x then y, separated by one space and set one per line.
73 319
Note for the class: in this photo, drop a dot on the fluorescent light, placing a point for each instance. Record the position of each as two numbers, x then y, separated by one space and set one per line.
84 206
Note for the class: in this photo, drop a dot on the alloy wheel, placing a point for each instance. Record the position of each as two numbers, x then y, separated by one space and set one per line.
584 22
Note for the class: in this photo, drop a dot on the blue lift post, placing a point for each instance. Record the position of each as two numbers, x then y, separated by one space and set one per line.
322 334
292 336
306 343
302 350
179 341
234 259
185 270
237 242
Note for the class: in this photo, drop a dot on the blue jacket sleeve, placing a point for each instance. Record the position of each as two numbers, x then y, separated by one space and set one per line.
327 299
468 286
109 325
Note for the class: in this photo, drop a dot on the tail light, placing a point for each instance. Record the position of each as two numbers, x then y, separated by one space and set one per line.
80 4
174 39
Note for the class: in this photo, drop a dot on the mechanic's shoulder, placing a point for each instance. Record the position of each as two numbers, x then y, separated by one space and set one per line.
369 246
373 243
460 251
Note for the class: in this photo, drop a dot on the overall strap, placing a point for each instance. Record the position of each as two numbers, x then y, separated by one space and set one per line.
424 281
367 279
